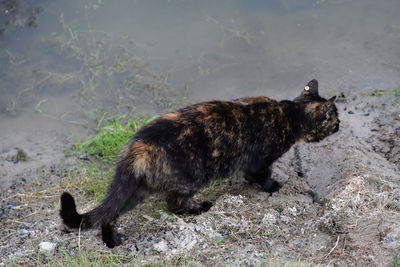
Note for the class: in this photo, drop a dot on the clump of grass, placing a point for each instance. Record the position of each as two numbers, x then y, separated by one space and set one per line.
20 156
266 234
97 182
212 190
90 258
85 258
279 262
381 92
396 262
105 145
94 176
88 179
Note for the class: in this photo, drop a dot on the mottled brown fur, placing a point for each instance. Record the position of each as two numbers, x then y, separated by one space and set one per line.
180 152
171 116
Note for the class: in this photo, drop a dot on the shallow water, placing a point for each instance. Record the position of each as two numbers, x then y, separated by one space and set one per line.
69 60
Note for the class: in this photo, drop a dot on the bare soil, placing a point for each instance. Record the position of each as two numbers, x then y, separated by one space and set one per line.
354 172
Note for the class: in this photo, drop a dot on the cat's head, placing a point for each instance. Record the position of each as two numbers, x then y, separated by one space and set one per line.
319 115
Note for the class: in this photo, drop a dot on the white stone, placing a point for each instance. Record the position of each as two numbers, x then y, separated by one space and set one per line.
161 246
47 247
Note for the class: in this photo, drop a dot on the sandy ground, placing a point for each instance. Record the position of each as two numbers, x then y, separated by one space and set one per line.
355 173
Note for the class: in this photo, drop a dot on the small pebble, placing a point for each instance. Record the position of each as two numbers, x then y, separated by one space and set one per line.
47 247
84 157
397 198
389 238
23 231
384 122
350 112
161 246
366 114
397 129
53 168
8 206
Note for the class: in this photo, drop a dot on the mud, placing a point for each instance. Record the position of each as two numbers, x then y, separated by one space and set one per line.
41 139
354 172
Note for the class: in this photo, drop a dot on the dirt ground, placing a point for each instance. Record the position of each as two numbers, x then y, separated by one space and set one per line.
354 172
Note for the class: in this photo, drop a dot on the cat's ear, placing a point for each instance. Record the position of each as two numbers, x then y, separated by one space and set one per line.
331 101
311 89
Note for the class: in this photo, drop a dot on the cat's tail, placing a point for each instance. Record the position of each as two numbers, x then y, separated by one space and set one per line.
120 198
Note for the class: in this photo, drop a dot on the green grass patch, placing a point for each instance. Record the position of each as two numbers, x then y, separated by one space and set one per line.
108 141
85 258
153 206
97 181
90 258
94 176
89 179
219 242
266 234
396 262
279 262
212 191
183 261
382 92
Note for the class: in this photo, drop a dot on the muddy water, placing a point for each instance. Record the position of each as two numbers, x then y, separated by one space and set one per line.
64 62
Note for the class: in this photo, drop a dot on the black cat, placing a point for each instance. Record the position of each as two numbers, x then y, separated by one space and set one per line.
180 152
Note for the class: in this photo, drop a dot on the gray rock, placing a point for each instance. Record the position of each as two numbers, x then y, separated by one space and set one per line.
47 248
161 246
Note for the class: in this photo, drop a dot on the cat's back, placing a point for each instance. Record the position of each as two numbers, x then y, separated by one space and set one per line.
206 129
197 121
204 118
249 100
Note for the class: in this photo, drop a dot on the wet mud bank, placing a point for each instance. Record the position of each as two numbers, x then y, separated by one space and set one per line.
356 174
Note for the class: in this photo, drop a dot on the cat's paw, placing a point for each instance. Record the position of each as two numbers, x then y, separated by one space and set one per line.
271 186
316 197
115 241
202 207
111 237
274 187
205 206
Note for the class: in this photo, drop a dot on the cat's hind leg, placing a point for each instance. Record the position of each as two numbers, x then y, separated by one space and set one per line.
110 236
262 176
184 204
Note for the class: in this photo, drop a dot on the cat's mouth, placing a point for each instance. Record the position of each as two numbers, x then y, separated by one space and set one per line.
336 128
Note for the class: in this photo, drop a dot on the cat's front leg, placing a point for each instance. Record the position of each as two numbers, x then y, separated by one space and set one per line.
262 176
